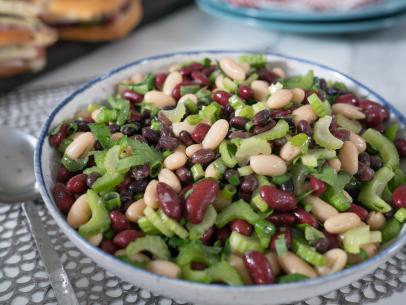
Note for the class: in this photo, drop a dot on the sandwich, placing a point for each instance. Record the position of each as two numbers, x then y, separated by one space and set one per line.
28 8
93 20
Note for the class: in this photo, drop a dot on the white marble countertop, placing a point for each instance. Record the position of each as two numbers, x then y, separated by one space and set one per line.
377 59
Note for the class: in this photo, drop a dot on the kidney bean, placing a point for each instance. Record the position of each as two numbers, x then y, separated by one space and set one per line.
118 221
238 122
375 113
318 186
221 97
359 210
150 135
207 236
108 246
160 80
304 127
401 147
399 196
56 139
364 159
91 178
342 134
277 199
365 173
132 96
304 217
287 234
204 192
209 70
203 156
140 172
122 239
176 92
239 134
184 174
166 131
185 138
197 266
200 78
138 186
267 75
223 234
184 191
249 184
245 92
279 113
259 268
347 98
63 174
77 184
333 240
135 116
186 71
200 132
261 118
123 186
322 245
241 226
261 129
63 198
170 202
282 219
169 143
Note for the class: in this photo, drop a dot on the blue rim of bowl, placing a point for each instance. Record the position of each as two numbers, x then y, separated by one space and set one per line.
109 259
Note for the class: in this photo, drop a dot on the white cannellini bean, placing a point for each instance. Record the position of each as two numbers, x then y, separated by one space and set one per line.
279 71
95 240
336 261
298 95
174 68
80 146
216 134
334 163
138 257
189 96
348 156
82 115
280 99
245 66
175 160
349 111
238 264
232 69
260 88
371 249
178 127
358 141
220 82
273 260
291 263
79 212
173 79
167 176
165 268
320 209
136 78
268 165
136 210
181 148
151 195
76 134
210 171
305 113
95 113
342 222
289 151
191 149
120 252
159 99
376 220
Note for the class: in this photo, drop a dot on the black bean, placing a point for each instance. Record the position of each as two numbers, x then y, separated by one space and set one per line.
126 197
98 146
229 175
138 186
239 134
163 119
185 138
261 118
287 186
184 174
203 156
238 122
304 127
168 142
249 184
166 132
150 135
114 128
376 162
364 159
365 173
140 138
261 129
130 129
82 125
140 172
91 178
322 245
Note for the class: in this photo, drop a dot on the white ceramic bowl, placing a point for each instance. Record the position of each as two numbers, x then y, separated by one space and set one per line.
46 164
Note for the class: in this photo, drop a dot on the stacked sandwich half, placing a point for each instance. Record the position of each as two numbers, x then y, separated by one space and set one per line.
23 37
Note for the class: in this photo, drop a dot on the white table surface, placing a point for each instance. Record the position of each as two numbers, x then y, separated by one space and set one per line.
377 59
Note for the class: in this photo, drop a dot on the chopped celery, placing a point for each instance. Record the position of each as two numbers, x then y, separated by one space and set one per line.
197 171
224 273
194 119
311 158
351 125
354 238
74 165
259 107
254 60
301 140
106 115
242 244
230 85
400 215
112 158
147 227
211 112
319 107
245 170
299 174
112 200
305 82
92 107
175 115
258 202
236 102
100 220
157 222
173 225
107 182
280 245
391 132
312 235
264 230
199 276
308 253
196 231
279 180
273 88
147 84
372 190
196 252
188 89
152 244
397 180
336 198
386 148
250 147
342 180
279 131
227 151
246 112
391 229
102 134
237 210
322 135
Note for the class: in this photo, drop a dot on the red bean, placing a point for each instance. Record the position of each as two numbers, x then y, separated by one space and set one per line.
261 118
277 199
287 235
249 184
63 174
347 98
176 92
123 186
203 156
204 192
118 221
56 139
170 202
63 198
206 238
267 75
223 234
185 138
77 184
238 122
261 129
279 113
245 92
184 191
304 217
401 147
259 268
198 266
135 116
108 246
160 80
200 132
282 219
318 186
186 71
200 78
333 240
221 97
399 196
122 239
184 174
375 113
359 210
241 226
132 96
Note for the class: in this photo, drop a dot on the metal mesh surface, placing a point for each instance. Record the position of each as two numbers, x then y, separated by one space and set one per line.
23 279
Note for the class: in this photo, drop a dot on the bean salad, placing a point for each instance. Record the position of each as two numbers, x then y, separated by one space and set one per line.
230 171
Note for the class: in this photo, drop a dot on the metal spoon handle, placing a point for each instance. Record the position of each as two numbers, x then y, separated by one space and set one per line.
57 275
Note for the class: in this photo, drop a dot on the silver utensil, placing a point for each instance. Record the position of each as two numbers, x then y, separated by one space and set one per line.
17 184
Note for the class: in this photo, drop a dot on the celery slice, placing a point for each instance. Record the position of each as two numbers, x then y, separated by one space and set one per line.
280 130
242 244
386 148
308 253
400 215
336 198
224 273
391 229
153 244
175 115
354 238
147 227
311 158
196 231
251 147
305 82
351 125
173 225
156 221
237 210
319 107
322 135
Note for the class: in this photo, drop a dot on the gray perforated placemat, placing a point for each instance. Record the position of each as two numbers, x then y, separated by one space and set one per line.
22 276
